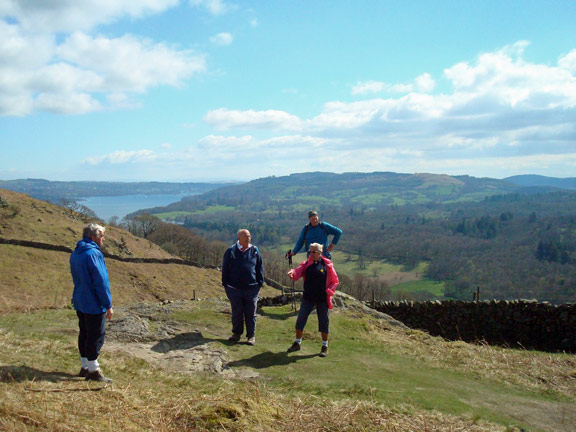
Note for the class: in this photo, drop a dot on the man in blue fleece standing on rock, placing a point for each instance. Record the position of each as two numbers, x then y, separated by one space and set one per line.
92 299
242 278
317 232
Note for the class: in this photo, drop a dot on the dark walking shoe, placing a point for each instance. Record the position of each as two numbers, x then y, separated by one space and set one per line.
83 372
295 347
97 376
234 338
324 351
251 341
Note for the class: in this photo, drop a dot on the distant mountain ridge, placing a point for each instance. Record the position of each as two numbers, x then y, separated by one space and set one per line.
532 180
57 190
322 189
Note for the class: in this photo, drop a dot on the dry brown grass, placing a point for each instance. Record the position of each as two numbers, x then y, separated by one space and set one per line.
30 219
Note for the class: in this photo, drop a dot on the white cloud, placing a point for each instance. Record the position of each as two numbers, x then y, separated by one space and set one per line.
214 7
223 119
367 87
568 61
222 39
122 157
423 83
500 107
72 15
129 63
84 73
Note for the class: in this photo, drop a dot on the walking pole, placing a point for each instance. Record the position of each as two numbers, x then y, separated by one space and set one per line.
288 256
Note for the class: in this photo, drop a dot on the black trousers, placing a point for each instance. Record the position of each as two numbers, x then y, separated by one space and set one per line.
92 333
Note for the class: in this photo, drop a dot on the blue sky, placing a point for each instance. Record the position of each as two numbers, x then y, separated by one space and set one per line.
201 90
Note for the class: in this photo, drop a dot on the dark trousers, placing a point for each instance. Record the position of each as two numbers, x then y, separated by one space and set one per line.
92 333
306 307
243 303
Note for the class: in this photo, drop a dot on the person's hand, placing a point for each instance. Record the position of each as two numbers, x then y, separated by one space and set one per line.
109 314
329 248
292 254
290 273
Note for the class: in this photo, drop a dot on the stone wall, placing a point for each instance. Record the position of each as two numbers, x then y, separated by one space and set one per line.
518 323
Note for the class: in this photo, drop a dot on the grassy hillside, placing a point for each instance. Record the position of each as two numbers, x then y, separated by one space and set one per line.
36 278
174 370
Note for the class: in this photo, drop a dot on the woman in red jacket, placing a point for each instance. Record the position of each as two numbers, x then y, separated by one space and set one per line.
320 282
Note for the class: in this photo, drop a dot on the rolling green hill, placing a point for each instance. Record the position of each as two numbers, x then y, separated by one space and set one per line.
321 190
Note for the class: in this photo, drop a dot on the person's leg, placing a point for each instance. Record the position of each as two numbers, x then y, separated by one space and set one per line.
323 319
82 344
96 333
95 336
323 326
236 304
305 308
250 316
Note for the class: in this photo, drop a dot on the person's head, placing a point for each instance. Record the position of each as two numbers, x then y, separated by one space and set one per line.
316 251
244 237
313 217
95 233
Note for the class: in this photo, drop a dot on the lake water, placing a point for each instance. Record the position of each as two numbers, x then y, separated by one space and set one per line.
108 206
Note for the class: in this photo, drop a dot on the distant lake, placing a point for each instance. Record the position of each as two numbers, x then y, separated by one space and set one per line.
107 206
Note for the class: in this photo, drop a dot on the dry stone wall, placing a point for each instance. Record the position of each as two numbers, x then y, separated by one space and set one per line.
517 323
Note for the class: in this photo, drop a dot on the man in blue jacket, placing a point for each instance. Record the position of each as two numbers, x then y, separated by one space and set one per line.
91 298
242 278
317 232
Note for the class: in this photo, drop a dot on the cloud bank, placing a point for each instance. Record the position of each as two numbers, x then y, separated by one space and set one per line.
78 72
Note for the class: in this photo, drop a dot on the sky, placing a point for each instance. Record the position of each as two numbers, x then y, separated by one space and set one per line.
219 90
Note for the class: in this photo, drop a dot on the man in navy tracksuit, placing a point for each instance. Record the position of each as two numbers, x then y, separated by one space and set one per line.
242 278
91 298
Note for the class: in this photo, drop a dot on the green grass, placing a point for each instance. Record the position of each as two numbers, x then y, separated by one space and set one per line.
207 211
433 287
172 215
401 374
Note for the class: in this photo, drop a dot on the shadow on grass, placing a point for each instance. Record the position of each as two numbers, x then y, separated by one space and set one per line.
268 358
183 341
278 316
10 374
180 341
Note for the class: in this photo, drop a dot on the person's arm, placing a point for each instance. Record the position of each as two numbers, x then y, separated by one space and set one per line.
259 270
298 272
225 264
331 280
335 232
331 284
299 243
100 282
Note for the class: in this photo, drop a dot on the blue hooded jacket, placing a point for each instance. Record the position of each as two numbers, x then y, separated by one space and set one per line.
318 234
91 284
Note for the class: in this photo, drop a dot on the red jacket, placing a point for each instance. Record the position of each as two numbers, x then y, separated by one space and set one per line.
331 276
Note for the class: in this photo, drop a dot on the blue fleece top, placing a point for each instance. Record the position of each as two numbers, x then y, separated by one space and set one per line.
317 235
91 284
242 269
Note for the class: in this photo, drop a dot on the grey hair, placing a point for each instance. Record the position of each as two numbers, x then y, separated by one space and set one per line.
240 231
93 229
316 246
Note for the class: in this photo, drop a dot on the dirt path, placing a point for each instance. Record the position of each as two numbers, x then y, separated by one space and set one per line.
169 345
